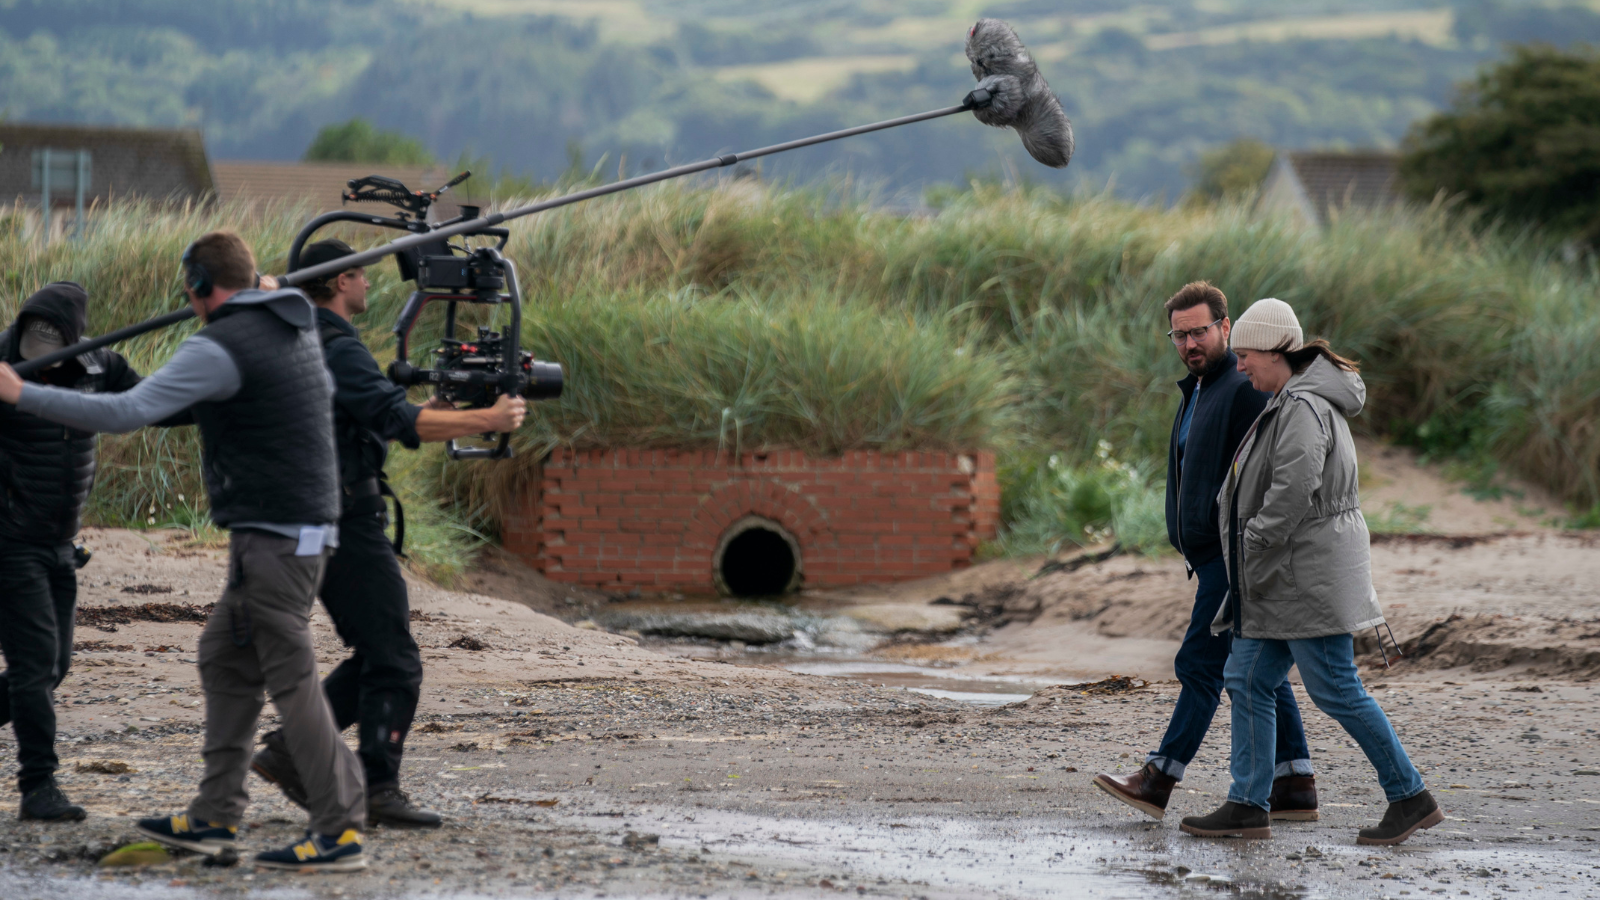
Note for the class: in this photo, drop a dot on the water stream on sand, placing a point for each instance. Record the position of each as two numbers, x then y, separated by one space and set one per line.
806 638
979 690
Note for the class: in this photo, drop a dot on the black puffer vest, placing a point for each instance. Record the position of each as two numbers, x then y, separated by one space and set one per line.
269 450
46 469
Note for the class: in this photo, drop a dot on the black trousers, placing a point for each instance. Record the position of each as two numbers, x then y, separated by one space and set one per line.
38 599
379 684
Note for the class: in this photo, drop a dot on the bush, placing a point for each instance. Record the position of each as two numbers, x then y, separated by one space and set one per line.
1050 504
1519 142
358 141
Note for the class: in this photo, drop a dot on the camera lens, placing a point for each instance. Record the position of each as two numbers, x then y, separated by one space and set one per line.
544 381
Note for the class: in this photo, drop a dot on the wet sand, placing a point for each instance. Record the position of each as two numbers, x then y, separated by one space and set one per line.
572 762
614 788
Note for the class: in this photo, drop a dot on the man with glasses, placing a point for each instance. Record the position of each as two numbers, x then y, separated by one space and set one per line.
1218 408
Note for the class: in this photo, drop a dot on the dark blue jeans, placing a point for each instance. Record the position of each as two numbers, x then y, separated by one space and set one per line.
1199 667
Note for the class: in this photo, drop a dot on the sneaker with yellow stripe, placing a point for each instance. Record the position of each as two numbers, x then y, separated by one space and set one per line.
318 853
189 834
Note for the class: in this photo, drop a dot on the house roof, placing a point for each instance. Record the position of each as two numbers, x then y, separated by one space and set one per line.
318 184
1332 180
160 163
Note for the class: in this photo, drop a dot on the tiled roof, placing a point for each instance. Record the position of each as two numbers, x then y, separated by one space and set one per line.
146 162
317 184
1334 180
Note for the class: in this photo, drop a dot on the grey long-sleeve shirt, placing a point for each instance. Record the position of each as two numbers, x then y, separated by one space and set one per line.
198 372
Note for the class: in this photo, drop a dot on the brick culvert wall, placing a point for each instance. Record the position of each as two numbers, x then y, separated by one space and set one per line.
760 524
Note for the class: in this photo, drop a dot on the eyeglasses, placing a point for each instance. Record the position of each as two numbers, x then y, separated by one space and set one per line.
1195 334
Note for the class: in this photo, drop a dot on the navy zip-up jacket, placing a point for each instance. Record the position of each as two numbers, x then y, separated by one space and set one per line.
1228 405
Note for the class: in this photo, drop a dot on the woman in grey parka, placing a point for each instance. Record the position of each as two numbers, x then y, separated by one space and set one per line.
1300 572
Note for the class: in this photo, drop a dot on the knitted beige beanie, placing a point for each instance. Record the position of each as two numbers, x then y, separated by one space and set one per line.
1266 325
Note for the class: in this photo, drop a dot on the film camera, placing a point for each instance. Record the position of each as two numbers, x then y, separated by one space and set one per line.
472 371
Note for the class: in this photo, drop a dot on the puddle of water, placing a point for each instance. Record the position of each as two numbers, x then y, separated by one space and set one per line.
954 857
973 697
982 690
1031 857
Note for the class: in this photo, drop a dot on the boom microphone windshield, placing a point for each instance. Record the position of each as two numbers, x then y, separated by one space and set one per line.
1010 94
1021 98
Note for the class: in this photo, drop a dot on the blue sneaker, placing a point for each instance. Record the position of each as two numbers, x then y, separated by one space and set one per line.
318 853
201 837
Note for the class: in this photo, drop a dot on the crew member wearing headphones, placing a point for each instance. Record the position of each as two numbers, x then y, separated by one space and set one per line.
254 380
378 686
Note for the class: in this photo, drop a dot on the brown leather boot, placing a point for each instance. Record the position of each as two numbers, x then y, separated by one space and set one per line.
1146 790
1294 798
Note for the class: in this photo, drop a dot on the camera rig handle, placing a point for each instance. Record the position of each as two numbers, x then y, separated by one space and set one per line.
378 189
347 215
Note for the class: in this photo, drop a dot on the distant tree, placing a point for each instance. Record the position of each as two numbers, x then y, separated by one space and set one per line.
1522 141
1235 169
358 141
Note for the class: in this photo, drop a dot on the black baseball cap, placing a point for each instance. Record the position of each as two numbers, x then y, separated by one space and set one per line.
325 252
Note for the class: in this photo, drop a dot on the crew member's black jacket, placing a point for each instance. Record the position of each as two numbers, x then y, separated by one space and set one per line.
1228 406
369 410
46 469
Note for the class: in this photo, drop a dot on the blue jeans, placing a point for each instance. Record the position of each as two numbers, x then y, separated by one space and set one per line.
1328 668
1199 667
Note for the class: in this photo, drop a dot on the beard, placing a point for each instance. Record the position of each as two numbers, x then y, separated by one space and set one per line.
1199 360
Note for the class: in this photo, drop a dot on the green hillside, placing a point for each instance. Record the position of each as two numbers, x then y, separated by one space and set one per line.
648 82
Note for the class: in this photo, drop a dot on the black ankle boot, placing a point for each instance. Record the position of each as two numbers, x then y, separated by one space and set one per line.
1401 820
46 803
388 805
1232 820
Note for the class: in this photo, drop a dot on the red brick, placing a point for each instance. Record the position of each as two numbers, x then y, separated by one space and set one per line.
652 517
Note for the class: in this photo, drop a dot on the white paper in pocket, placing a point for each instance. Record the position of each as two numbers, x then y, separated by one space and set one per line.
312 540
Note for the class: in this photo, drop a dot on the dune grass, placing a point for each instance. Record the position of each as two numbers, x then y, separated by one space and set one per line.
745 316
1474 337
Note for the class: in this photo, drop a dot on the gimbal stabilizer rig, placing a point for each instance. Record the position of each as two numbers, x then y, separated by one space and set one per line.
473 371
1010 94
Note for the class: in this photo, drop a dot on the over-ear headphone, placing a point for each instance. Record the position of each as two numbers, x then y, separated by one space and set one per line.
195 276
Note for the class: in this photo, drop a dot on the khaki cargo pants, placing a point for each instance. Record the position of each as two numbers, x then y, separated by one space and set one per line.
259 638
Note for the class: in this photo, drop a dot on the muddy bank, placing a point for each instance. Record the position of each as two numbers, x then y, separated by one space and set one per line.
1509 605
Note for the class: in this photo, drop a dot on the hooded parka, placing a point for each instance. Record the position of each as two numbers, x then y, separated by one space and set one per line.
46 469
1299 556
